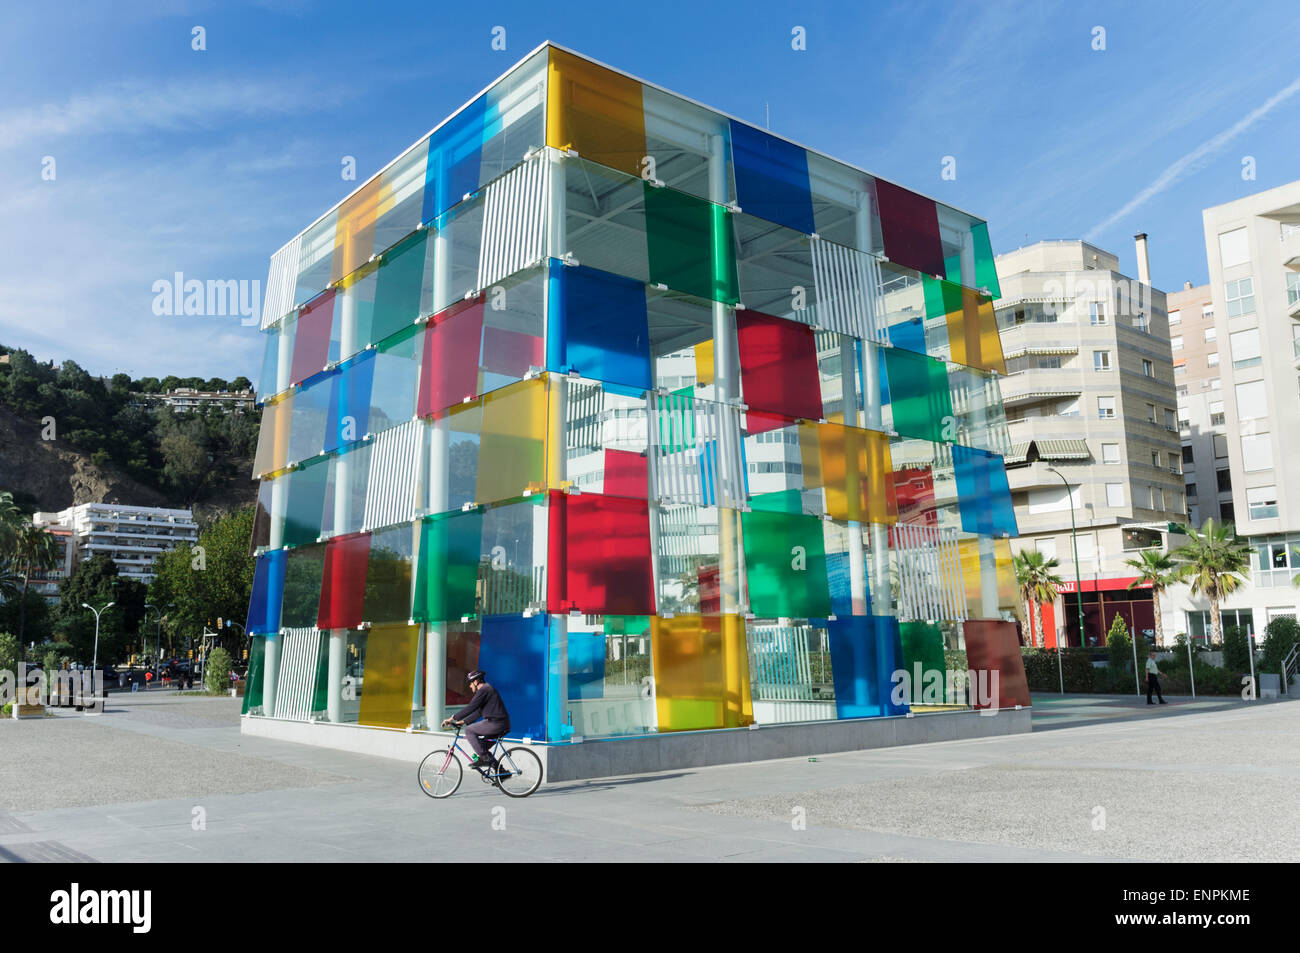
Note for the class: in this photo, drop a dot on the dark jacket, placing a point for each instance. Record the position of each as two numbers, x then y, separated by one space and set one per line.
486 704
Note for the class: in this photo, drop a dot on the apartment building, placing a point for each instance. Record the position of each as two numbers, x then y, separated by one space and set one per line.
45 582
187 399
1092 418
132 536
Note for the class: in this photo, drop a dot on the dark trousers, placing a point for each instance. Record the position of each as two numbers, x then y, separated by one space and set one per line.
484 728
1153 685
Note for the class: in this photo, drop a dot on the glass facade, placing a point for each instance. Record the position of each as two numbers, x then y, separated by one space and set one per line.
663 421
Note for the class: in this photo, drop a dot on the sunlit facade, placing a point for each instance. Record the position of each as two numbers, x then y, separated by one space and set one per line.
665 422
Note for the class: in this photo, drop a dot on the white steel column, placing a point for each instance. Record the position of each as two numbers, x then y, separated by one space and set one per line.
279 506
439 501
557 453
338 638
882 601
849 403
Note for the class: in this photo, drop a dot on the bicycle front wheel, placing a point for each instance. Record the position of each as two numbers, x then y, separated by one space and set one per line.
520 772
440 773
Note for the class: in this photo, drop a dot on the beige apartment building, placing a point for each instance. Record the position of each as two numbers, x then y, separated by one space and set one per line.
1092 416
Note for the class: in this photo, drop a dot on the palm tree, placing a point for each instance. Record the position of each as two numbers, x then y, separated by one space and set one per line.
8 579
1215 562
1160 570
10 519
1037 585
34 548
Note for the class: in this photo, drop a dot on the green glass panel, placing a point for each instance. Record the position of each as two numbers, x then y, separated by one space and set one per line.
388 576
952 268
446 577
919 396
399 284
986 274
395 380
923 645
942 297
785 565
253 682
690 244
306 504
782 501
319 698
303 572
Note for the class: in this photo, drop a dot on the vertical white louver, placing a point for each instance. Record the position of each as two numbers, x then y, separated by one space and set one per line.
696 451
782 668
848 292
514 220
930 584
391 482
281 283
296 681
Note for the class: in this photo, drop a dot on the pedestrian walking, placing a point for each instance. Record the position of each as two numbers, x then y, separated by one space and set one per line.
1153 679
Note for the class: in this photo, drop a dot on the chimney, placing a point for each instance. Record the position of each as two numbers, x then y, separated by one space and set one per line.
1144 265
1187 286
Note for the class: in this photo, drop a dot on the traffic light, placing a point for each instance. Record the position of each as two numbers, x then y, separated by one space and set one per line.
191 653
219 625
245 655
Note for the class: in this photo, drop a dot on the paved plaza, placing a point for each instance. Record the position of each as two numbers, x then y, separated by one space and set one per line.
167 777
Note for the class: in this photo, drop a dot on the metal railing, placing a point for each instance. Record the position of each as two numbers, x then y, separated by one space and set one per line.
1290 665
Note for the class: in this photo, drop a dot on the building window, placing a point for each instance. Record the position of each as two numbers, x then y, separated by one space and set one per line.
1157 498
1252 400
1262 501
1176 343
1182 389
1101 360
1175 317
1148 368
1189 458
1046 546
1191 491
1224 478
1110 453
1256 453
1207 313
1106 408
1142 323
1292 287
1240 296
1170 419
1245 348
1140 539
1173 463
1096 313
1151 413
1180 367
1049 362
1234 248
1211 335
1216 414
1226 512
1114 494
1212 359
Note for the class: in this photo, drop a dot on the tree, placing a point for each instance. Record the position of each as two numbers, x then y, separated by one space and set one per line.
1236 650
241 383
216 671
1160 571
96 581
1038 584
35 548
1118 645
1279 636
1214 561
11 518
10 653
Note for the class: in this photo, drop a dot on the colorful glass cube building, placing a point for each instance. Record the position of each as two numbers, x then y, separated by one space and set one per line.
662 420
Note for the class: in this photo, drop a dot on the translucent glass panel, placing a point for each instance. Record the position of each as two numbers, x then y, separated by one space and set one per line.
972 326
387 681
778 366
495 448
387 579
395 380
343 587
514 651
305 505
268 594
599 326
974 570
690 244
854 468
790 672
454 157
919 400
447 567
349 404
450 372
625 474
977 406
596 112
311 338
910 225
277 356
701 672
599 560
273 437
865 652
698 551
311 410
923 662
993 646
986 273
609 676
771 178
399 289
984 492
845 209
253 680
261 519
513 557
303 573
903 292
346 491
785 565
681 137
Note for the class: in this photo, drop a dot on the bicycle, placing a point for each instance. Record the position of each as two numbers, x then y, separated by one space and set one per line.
518 772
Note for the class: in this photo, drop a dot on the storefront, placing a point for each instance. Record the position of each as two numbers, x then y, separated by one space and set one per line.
1103 600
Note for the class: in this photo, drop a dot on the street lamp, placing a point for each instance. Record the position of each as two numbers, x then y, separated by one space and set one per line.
157 659
1074 539
94 662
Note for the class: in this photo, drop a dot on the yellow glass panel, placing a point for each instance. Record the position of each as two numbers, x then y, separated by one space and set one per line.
701 670
595 111
704 362
1008 596
969 550
855 468
354 234
513 446
389 675
273 438
973 333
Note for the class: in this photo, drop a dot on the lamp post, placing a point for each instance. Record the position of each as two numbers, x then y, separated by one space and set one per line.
157 658
1074 540
94 661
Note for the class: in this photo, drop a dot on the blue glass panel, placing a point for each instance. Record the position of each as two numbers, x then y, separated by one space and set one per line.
840 580
605 334
909 334
268 593
311 408
350 402
513 652
983 493
771 178
865 653
586 664
455 157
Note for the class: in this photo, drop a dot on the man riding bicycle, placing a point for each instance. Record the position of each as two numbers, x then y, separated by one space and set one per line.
494 720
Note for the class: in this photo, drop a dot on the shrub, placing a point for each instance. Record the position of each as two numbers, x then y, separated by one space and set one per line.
9 653
1043 675
1119 648
1280 634
51 662
216 671
1236 655
1210 679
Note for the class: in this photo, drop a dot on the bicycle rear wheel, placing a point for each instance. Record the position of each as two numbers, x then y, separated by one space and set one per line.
520 771
440 773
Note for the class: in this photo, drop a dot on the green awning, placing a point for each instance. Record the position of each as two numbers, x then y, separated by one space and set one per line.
1049 450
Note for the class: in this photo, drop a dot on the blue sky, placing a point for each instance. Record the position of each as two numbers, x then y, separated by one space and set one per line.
168 159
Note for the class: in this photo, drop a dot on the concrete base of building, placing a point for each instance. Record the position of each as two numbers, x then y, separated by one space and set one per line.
614 757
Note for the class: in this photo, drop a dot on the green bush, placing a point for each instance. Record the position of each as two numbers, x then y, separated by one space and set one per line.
1279 636
1236 656
1119 648
9 653
216 671
51 662
1043 675
1210 679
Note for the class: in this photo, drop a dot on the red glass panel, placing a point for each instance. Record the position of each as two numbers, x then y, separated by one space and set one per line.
910 225
343 587
778 366
311 342
914 490
599 549
993 646
625 474
451 349
511 352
